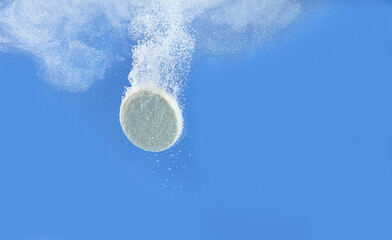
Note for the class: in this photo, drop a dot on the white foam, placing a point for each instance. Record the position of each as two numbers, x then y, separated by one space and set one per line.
77 41
71 39
228 27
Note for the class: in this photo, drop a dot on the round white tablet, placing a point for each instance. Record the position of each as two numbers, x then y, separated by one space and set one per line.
151 119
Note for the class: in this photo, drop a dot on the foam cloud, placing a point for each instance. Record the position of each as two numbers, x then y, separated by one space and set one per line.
71 40
76 41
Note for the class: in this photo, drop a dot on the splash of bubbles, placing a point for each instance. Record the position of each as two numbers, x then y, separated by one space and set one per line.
76 42
230 27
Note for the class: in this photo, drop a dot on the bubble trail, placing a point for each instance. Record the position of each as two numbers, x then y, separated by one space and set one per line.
151 118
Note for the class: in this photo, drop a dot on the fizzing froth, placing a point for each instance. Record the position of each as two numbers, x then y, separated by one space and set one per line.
76 42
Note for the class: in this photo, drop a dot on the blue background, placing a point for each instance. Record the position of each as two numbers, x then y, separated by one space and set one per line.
294 142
